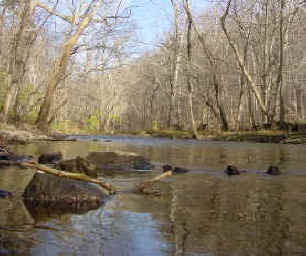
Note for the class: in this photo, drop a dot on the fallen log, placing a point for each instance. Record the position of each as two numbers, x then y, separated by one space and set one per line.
145 186
110 189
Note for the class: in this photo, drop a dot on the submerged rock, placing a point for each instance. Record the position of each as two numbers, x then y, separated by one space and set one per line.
167 168
273 170
179 170
5 194
48 189
50 158
119 160
232 170
79 165
11 159
176 170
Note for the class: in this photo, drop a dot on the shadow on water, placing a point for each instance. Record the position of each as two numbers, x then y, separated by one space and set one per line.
202 213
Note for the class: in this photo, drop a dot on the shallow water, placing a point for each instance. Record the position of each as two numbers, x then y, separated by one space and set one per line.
204 213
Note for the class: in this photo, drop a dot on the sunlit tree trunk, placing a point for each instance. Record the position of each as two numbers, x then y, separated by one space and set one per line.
58 73
189 82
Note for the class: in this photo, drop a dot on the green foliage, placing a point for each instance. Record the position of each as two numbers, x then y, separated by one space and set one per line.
61 126
115 117
23 98
155 125
31 117
93 122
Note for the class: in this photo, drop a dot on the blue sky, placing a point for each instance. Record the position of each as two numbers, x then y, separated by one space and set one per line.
154 17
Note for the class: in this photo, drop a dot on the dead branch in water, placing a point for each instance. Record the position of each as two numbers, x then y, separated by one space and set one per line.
144 186
109 188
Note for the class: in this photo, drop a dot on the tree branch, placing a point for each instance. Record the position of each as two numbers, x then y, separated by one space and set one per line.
51 11
110 189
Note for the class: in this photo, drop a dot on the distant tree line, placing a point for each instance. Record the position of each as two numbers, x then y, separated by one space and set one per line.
239 65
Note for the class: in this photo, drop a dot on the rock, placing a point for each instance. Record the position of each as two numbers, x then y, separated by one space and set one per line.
143 164
176 170
273 170
232 170
11 159
118 160
167 168
42 211
179 170
5 156
79 165
50 158
5 194
49 189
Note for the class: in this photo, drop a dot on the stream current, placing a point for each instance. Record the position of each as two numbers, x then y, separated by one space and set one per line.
204 212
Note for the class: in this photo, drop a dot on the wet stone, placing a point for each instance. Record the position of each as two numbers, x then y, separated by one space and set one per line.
50 158
79 165
48 188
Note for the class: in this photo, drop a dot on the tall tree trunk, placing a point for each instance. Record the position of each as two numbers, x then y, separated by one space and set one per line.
8 99
279 81
18 59
60 66
189 82
213 68
242 66
222 114
299 103
176 65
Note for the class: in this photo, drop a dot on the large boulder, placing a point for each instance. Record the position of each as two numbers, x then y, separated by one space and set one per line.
118 160
78 165
51 190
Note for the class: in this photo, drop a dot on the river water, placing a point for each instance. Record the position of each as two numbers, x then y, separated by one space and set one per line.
204 212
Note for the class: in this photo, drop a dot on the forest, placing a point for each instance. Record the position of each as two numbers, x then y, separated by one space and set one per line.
70 65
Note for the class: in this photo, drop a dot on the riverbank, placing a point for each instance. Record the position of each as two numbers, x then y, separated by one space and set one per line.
264 136
11 134
27 134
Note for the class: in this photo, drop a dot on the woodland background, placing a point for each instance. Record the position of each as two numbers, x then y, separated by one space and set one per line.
67 65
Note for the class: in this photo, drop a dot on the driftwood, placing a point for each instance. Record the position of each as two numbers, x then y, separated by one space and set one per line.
145 186
109 188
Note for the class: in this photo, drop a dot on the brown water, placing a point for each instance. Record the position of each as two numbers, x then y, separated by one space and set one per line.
204 213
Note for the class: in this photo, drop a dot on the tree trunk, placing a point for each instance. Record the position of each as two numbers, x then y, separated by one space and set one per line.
242 66
279 82
60 66
109 188
8 99
189 83
176 65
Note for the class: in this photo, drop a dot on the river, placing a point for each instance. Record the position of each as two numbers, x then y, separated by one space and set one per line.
204 212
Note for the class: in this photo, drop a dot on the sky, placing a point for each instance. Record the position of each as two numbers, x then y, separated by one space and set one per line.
154 17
